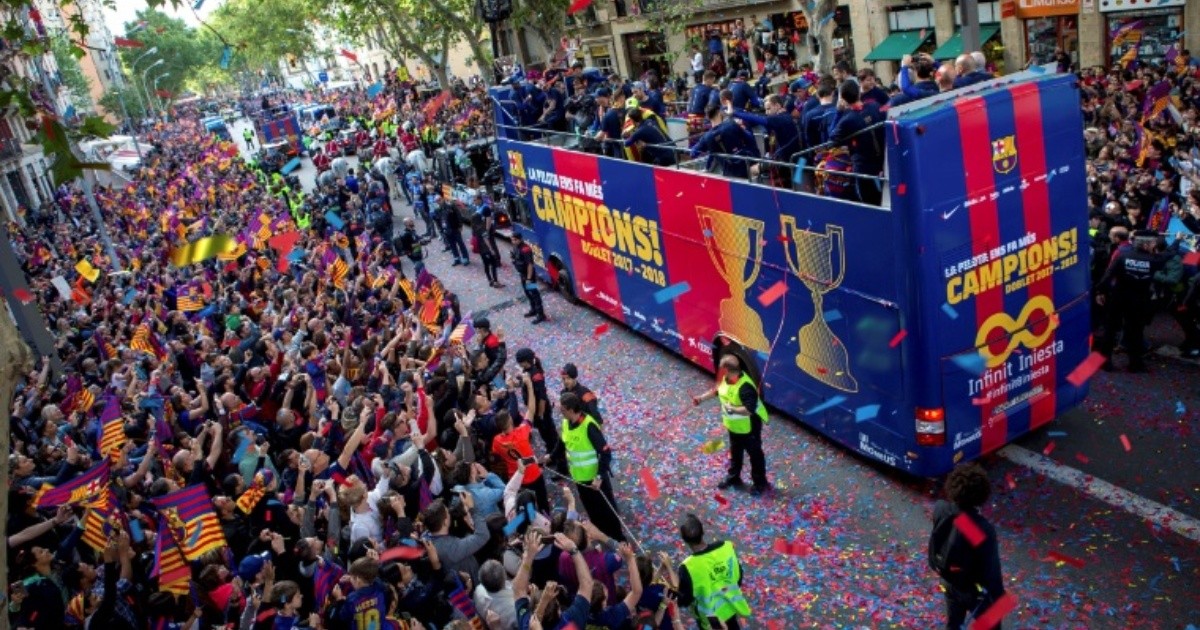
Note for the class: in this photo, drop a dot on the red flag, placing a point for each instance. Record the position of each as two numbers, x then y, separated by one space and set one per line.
349 55
163 93
577 6
122 42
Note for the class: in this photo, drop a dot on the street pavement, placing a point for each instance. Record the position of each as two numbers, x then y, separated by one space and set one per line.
1077 552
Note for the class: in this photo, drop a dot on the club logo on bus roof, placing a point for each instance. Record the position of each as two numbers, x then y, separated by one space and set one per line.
1004 154
516 170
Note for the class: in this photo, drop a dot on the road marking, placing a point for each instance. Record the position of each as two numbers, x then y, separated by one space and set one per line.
1135 504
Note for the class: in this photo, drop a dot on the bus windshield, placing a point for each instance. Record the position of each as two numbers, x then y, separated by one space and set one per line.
931 328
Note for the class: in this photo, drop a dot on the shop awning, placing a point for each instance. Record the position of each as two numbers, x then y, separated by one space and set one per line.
899 44
953 46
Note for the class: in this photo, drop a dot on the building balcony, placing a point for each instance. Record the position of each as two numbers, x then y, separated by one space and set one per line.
10 150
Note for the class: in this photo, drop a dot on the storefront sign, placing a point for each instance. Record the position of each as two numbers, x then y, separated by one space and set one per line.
1108 6
1046 8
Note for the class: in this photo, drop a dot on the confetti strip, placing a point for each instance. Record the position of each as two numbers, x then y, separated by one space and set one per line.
712 447
721 501
1083 459
23 295
650 483
992 616
1049 449
949 310
1085 370
1179 408
898 338
969 530
670 293
901 189
832 315
1012 482
832 402
334 220
1056 433
772 294
1055 556
791 548
1125 443
973 363
866 412
600 330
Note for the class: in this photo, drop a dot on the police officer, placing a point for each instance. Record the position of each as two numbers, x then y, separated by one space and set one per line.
588 463
743 414
1125 292
522 258
710 580
727 138
571 385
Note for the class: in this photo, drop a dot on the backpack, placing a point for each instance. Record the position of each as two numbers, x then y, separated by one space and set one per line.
950 554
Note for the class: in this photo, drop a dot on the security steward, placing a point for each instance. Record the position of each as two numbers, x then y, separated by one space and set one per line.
588 463
710 580
571 385
248 134
738 396
1125 291
522 258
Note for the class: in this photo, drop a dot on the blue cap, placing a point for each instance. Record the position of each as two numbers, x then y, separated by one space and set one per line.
800 84
250 567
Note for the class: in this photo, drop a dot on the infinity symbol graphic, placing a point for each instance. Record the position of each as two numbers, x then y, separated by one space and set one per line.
1017 332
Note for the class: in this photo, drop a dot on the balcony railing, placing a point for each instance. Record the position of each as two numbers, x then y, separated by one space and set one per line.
10 149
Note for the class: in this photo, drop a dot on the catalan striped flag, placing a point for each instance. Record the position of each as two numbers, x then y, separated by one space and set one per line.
88 487
111 430
464 605
1130 32
1157 99
1129 57
101 521
338 272
189 298
1141 144
406 288
190 521
140 341
255 493
107 350
325 578
170 566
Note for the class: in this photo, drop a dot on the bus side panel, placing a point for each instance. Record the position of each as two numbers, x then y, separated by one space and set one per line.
1003 210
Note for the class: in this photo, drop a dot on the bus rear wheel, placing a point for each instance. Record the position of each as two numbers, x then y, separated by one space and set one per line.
564 285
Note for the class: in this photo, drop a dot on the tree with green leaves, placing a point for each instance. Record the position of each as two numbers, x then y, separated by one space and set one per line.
183 50
122 99
263 32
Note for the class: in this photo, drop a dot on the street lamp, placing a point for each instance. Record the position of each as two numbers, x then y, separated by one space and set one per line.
156 80
133 70
144 73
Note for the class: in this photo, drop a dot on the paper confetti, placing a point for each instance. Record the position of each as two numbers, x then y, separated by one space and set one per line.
1086 370
866 412
712 447
1083 459
832 315
832 402
949 310
1055 556
898 338
334 220
969 530
600 330
650 483
791 548
23 295
972 363
1179 408
1010 480
1056 433
1125 443
663 296
1049 449
772 294
996 612
901 189
721 501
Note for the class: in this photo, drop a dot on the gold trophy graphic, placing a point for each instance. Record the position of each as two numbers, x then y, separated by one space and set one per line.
728 238
822 355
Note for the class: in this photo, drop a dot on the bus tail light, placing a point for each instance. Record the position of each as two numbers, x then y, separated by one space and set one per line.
931 426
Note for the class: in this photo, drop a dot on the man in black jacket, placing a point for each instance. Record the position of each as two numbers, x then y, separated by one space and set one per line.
966 543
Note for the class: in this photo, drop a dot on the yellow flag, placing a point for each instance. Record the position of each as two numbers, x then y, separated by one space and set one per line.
202 249
85 269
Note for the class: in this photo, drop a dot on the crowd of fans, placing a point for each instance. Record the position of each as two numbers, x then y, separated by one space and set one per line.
361 450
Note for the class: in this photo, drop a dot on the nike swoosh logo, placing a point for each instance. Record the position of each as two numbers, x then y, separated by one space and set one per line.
587 289
947 215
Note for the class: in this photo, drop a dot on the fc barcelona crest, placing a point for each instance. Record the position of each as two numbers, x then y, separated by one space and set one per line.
516 170
1004 154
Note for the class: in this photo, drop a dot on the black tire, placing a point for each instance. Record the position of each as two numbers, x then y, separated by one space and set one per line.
565 286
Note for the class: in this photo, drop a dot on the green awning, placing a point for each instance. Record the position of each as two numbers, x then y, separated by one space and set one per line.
953 46
899 44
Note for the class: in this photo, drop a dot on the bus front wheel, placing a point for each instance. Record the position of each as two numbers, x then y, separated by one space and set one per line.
564 284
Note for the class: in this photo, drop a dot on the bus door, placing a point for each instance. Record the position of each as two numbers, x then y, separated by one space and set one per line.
994 192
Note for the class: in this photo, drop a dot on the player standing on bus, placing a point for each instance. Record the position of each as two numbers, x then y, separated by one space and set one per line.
738 396
522 257
729 141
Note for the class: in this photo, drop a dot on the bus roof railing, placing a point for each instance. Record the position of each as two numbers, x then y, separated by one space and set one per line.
687 157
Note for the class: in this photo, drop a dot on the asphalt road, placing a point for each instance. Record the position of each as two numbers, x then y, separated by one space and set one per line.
1071 559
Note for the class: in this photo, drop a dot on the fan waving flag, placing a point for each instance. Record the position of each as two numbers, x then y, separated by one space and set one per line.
577 6
88 487
169 564
122 42
189 298
112 428
349 55
1157 99
190 521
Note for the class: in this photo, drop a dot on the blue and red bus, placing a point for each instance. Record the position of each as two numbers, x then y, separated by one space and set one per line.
927 331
